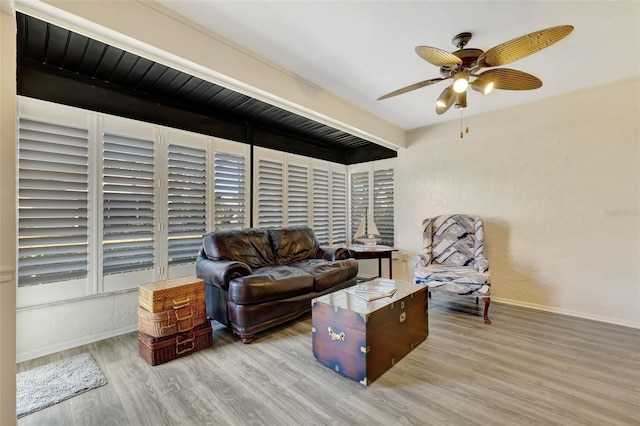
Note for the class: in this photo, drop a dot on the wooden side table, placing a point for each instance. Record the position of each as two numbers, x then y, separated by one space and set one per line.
361 251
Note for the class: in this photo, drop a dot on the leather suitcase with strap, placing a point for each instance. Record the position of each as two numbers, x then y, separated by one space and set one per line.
158 350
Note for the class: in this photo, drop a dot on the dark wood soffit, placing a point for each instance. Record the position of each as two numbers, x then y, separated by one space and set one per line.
64 87
60 87
60 66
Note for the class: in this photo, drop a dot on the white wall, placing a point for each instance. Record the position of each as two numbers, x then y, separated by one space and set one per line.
557 183
51 328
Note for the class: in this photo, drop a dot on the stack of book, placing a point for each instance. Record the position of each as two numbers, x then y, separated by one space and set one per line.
374 289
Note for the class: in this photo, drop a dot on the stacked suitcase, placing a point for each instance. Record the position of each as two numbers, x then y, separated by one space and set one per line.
172 319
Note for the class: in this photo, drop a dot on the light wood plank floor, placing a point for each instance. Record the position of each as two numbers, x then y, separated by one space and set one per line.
528 367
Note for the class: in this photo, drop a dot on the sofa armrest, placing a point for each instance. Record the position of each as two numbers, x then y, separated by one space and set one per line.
219 272
333 253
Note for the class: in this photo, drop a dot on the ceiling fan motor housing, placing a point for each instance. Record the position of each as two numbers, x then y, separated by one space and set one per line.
469 58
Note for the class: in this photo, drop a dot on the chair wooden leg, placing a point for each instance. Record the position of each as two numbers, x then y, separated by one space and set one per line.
487 302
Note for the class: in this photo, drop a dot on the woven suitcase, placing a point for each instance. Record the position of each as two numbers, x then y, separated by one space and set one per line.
163 295
158 350
179 319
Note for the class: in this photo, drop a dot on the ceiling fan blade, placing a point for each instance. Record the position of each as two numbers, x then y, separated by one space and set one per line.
438 57
508 79
411 87
523 46
446 100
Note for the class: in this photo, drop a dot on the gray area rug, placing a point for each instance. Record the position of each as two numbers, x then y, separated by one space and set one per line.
53 383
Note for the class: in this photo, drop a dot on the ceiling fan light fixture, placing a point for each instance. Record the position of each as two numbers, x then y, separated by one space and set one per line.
460 82
483 86
445 99
488 88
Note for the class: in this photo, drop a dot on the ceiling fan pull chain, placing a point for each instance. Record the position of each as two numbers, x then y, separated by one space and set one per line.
461 134
466 114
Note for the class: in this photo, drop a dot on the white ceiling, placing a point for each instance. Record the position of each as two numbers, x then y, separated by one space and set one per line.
361 50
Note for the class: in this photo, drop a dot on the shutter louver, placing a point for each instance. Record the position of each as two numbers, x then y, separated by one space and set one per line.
229 188
297 199
338 208
53 203
187 210
128 204
359 198
321 205
383 204
270 194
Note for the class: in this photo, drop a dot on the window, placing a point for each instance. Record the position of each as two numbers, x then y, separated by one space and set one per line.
359 198
297 194
383 204
230 190
55 196
53 164
315 193
270 194
128 197
338 208
372 188
107 203
187 202
321 205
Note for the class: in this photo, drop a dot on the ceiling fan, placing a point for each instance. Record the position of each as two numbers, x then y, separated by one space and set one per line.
463 65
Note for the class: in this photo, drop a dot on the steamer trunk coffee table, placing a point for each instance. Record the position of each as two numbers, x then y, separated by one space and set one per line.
361 339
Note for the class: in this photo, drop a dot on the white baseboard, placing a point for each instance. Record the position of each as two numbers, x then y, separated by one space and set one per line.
47 350
568 312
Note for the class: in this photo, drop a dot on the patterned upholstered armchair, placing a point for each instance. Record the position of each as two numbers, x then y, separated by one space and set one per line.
452 258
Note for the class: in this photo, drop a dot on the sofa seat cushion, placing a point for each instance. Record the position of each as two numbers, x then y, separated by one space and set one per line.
459 274
270 283
327 274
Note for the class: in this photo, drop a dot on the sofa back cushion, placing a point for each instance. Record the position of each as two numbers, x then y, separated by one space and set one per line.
293 244
251 246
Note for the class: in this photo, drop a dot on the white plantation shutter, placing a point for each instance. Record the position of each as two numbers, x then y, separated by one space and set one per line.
297 195
321 205
187 209
338 208
230 208
359 198
53 202
128 203
383 204
270 194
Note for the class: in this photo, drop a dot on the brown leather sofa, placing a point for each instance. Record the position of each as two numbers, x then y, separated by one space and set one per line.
256 279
